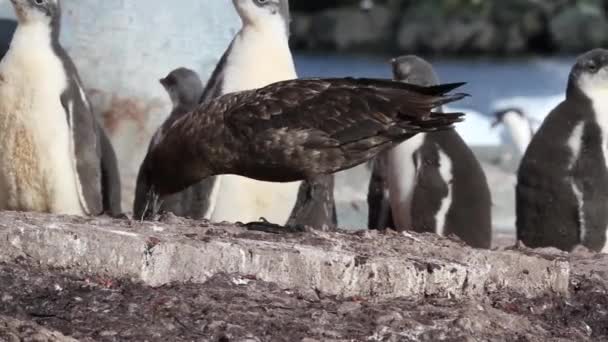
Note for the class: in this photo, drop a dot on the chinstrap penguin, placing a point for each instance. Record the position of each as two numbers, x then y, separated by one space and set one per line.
258 55
292 130
54 155
562 189
518 128
185 89
431 182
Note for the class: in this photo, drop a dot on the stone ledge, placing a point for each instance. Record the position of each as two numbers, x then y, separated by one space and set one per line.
16 330
366 264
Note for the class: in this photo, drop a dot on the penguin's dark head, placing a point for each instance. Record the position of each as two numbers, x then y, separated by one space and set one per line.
183 86
414 70
589 74
264 12
38 11
501 115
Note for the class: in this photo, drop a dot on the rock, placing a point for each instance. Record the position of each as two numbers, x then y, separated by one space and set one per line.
301 26
348 308
456 27
351 29
319 5
580 27
389 319
219 310
341 264
13 330
426 29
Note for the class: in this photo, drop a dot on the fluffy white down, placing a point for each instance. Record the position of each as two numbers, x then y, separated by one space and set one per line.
260 56
36 167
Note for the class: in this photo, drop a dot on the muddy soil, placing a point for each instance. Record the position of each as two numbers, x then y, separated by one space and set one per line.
241 308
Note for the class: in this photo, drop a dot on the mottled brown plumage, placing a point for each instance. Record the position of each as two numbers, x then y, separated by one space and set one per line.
294 130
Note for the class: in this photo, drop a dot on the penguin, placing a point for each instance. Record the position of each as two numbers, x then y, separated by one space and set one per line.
292 130
562 181
518 128
258 55
431 182
185 89
535 108
54 155
315 205
7 29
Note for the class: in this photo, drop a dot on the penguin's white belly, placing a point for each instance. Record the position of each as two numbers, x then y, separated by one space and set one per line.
401 179
445 171
239 198
519 131
37 170
245 200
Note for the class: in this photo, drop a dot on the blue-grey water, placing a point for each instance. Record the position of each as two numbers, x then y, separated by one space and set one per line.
488 80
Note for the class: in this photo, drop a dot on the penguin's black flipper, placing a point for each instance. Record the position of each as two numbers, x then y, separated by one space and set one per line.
110 176
86 148
380 215
7 29
315 205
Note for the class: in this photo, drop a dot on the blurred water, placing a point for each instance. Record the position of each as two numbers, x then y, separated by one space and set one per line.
488 81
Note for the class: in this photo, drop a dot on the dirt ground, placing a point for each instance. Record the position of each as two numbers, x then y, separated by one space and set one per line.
236 308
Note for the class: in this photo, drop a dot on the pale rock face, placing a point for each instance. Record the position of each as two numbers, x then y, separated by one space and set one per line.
37 168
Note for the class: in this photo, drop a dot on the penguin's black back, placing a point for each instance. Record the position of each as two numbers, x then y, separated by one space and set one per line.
548 212
469 214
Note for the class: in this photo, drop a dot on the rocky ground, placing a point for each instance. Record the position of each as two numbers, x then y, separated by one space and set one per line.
237 308
452 27
101 291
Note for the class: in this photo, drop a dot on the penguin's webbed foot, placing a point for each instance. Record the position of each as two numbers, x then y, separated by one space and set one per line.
118 216
263 225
